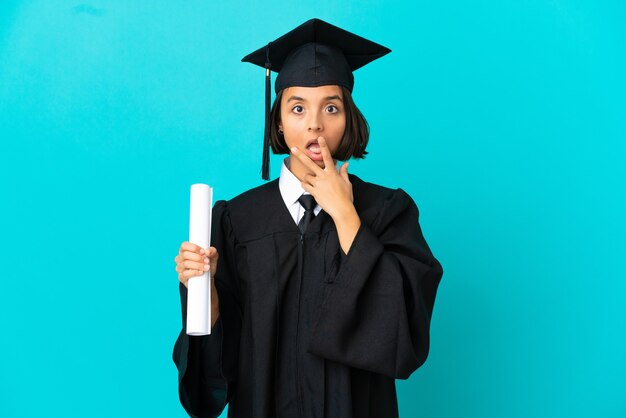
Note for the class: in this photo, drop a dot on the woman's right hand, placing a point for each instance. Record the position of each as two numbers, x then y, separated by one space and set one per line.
193 260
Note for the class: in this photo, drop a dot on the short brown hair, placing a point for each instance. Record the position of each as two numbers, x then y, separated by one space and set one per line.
355 136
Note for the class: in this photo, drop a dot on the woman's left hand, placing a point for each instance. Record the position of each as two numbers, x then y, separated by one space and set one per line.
330 187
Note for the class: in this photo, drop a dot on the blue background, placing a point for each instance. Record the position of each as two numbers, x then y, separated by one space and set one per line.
505 120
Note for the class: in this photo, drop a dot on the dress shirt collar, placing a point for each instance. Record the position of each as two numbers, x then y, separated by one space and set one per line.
289 185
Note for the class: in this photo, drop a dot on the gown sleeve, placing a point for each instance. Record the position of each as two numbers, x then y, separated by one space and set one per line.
207 365
376 310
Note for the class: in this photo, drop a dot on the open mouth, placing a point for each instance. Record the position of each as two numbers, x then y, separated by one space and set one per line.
313 146
313 150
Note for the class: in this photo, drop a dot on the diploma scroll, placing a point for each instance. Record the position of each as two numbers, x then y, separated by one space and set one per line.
199 287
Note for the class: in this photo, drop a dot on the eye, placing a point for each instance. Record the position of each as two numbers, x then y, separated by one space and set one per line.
332 109
297 109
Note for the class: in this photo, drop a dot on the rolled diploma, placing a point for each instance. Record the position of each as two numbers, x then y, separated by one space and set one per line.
199 287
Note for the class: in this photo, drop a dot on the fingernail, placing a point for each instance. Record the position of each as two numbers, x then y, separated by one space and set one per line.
201 251
206 260
206 267
294 149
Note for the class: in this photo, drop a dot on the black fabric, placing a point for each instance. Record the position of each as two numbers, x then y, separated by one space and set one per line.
305 330
316 53
308 203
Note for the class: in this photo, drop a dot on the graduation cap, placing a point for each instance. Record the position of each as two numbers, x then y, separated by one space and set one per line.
314 54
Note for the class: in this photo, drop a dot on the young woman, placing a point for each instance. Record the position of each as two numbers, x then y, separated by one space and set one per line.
323 284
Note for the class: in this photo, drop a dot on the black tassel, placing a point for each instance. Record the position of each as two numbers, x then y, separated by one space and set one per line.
265 169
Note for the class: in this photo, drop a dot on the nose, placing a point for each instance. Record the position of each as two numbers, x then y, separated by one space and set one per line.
315 124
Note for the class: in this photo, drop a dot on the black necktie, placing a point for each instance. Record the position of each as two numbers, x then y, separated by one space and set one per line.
308 203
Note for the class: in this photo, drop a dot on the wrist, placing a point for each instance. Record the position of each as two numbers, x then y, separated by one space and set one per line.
346 214
347 223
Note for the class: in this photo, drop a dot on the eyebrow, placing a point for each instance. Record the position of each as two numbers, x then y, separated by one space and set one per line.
327 98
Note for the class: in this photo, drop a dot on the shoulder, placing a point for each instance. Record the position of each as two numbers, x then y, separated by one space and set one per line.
244 202
373 197
253 212
256 195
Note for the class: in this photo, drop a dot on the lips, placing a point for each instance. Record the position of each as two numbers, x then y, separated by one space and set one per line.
311 141
313 146
313 150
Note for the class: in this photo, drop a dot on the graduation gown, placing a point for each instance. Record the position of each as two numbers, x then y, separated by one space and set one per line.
305 330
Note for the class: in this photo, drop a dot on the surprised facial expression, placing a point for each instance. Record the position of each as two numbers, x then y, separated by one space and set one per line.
308 113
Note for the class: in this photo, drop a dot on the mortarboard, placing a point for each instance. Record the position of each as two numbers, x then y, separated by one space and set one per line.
314 54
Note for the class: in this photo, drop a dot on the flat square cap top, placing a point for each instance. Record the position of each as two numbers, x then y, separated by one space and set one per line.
316 53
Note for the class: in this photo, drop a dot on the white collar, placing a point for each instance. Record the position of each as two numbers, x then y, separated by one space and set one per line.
289 185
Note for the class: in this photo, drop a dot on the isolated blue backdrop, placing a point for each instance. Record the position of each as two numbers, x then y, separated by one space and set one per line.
505 120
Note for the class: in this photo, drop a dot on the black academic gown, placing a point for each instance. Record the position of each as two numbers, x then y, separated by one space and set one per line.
306 331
